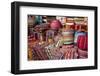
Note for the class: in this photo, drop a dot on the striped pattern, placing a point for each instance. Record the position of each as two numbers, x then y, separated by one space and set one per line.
68 37
39 53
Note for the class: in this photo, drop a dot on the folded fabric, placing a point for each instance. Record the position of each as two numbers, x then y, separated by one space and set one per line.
70 53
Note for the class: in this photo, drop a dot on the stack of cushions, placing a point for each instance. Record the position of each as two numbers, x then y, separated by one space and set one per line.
68 31
68 37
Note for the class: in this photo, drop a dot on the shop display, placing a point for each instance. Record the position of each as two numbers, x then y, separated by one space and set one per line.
57 38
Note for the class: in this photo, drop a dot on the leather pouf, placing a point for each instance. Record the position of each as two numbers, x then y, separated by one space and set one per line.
55 24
